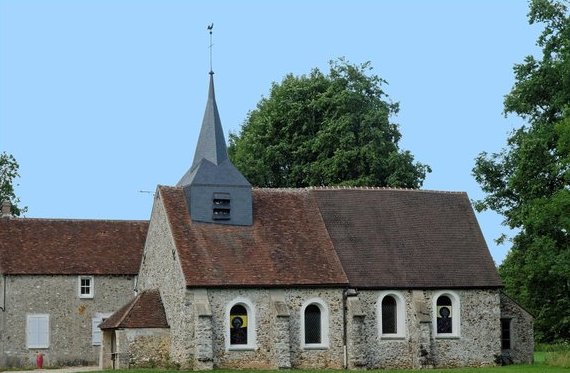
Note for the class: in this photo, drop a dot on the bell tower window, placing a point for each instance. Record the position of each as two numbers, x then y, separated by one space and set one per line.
221 206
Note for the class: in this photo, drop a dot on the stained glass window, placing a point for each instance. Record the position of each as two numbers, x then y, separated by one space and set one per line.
238 325
444 318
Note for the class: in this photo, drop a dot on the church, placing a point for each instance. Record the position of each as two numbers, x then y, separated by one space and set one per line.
229 276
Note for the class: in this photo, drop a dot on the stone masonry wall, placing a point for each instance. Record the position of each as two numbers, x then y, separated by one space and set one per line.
161 269
522 335
477 344
70 318
270 325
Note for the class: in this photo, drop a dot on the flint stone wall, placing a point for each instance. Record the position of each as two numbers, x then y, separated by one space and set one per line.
522 335
161 269
271 351
477 344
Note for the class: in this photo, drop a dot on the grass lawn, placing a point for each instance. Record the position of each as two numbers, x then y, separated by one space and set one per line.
538 367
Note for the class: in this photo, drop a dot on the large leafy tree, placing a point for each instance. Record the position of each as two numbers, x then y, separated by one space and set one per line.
325 129
528 182
8 173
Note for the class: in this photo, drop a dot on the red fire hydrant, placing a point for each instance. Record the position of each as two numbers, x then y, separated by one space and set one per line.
39 360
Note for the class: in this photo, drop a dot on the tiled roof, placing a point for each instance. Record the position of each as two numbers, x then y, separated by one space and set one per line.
50 246
370 238
394 238
287 245
144 311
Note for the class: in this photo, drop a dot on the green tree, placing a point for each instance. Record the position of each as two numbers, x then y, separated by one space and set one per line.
528 182
8 173
325 129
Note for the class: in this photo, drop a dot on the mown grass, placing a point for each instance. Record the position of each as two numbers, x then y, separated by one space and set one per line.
534 368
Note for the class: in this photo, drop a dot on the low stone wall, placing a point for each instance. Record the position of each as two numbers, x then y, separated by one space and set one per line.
149 348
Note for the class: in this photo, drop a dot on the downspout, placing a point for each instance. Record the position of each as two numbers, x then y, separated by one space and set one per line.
3 308
344 327
348 292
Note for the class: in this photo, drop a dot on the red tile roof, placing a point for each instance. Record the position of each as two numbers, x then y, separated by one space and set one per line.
394 238
144 311
287 245
50 246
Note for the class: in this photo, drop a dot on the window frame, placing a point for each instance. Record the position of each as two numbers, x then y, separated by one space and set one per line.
400 315
455 315
91 293
44 342
251 325
322 305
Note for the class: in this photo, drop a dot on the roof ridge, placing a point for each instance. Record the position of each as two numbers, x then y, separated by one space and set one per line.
364 188
80 220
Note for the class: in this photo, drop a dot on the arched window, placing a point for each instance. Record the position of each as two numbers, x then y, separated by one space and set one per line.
446 314
391 315
240 325
314 324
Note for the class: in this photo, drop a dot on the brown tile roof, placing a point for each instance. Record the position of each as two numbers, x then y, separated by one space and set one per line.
287 245
393 238
144 311
50 246
378 238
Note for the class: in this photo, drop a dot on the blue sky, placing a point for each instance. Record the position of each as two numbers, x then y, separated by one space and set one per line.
102 99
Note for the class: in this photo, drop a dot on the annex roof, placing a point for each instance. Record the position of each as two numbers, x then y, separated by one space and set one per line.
71 247
144 311
287 245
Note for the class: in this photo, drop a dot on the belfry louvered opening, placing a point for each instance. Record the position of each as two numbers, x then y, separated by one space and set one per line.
221 206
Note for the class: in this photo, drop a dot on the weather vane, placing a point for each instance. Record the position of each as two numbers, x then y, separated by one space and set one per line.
210 28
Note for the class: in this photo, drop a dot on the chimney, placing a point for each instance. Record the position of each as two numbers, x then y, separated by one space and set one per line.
6 209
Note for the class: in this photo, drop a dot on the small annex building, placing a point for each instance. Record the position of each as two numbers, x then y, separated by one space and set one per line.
238 277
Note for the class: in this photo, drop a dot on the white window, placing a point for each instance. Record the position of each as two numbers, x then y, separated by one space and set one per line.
391 315
86 286
314 324
37 331
240 325
446 314
96 334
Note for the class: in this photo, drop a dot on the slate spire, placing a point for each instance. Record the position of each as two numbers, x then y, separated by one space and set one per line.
216 192
211 143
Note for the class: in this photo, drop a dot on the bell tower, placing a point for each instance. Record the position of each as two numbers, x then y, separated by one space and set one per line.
215 191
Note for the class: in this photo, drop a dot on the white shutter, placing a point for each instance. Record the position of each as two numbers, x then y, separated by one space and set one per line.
37 331
96 334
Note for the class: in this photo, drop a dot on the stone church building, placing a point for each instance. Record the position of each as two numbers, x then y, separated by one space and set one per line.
229 276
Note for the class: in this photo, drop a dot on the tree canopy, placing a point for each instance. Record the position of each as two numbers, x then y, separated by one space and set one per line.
8 174
528 182
325 129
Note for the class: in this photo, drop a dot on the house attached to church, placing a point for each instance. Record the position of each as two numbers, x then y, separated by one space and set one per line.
229 276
